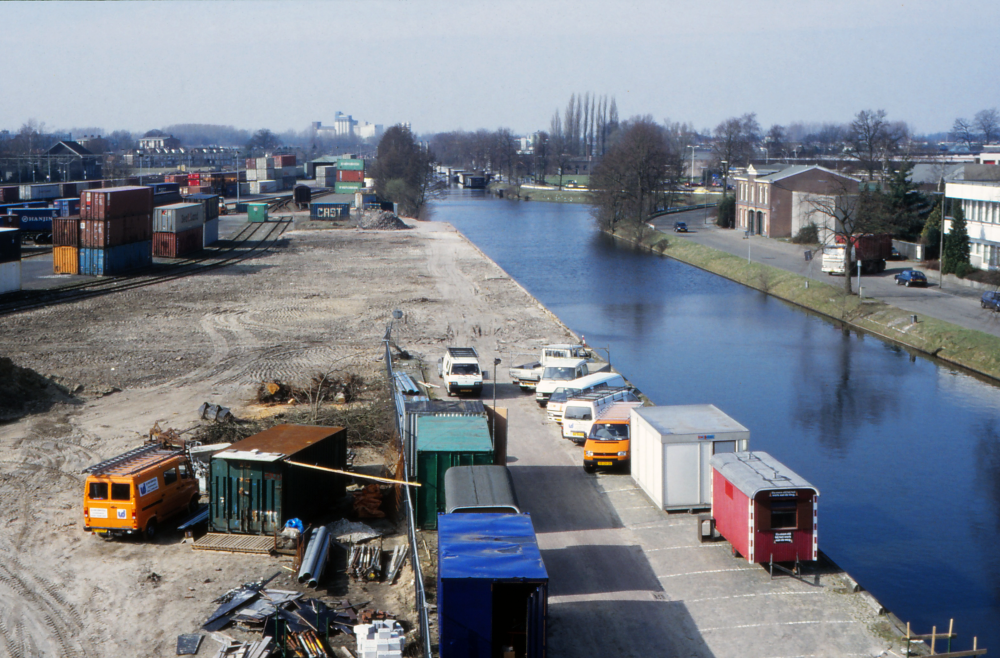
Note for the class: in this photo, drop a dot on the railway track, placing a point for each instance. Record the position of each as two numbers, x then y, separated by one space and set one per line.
251 240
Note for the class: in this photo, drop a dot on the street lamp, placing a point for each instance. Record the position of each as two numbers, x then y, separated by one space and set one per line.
691 146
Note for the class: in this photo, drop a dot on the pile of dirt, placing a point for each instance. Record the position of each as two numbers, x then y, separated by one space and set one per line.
380 220
23 390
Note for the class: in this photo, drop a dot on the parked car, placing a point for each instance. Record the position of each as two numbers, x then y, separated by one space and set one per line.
896 255
911 278
990 300
680 227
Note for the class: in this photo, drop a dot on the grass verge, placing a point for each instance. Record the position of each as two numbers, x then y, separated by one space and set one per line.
974 350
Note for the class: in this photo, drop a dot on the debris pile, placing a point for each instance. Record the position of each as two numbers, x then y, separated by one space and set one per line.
368 502
365 562
323 387
23 387
380 220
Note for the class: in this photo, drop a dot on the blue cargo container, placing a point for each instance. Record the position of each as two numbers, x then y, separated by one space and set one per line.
5 208
35 219
161 188
492 588
329 210
116 260
67 207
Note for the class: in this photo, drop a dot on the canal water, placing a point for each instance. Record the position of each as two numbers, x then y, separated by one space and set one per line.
905 451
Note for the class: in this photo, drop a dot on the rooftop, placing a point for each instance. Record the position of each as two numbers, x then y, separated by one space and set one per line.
278 442
492 546
752 472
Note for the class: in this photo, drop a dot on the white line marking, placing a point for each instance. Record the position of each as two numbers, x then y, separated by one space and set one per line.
783 623
697 573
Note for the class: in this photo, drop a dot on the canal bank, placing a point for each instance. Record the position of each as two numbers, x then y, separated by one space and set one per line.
972 350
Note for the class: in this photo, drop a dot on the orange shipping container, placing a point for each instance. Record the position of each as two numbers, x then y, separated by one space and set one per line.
65 260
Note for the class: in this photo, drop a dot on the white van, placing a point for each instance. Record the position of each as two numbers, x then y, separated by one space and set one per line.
459 368
558 372
583 411
596 382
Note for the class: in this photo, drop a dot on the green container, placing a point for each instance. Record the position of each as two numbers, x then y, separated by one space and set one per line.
257 212
347 188
351 164
253 489
443 442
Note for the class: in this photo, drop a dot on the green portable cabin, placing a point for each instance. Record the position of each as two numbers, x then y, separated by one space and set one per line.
257 484
257 212
443 442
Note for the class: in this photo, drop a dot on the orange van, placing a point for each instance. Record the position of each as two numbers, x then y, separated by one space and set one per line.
607 445
134 492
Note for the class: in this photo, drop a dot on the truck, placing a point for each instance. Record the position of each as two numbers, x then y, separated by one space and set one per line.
871 249
528 375
459 368
556 374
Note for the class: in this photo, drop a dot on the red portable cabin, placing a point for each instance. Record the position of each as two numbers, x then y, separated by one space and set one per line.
765 510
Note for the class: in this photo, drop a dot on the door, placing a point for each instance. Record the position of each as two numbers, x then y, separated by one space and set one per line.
536 624
681 474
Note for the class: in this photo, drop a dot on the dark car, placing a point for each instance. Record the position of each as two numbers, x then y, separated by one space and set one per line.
911 278
895 255
990 300
680 227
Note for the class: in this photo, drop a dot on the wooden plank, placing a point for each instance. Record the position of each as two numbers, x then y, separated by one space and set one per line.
352 474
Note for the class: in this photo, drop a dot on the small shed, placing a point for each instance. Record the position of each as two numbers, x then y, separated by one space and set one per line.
255 486
443 442
480 489
765 510
671 448
492 586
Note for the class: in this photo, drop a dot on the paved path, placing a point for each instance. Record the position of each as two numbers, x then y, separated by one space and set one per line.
956 304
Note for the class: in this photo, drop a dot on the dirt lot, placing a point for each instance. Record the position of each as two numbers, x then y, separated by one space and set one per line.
319 302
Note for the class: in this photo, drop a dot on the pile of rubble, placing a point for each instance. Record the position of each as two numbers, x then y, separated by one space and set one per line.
380 220
23 388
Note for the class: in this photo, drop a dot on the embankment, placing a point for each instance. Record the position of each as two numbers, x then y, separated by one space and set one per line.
970 349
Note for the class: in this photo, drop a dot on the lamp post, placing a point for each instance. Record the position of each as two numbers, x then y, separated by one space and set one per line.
691 146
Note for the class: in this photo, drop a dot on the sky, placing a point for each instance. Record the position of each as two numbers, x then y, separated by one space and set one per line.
468 65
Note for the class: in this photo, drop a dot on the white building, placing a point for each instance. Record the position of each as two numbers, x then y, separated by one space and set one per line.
344 125
978 190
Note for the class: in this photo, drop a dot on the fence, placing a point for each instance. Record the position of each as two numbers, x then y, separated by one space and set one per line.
421 594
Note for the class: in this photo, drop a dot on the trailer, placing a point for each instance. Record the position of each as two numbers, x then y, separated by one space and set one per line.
766 511
871 250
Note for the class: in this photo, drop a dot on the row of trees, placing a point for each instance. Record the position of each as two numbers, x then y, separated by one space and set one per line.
984 128
587 124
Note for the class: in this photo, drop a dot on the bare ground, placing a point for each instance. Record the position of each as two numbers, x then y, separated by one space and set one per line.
319 303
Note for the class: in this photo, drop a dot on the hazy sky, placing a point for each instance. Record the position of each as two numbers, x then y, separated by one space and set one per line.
477 64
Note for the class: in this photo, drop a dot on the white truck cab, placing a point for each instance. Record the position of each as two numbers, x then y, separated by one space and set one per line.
461 372
556 374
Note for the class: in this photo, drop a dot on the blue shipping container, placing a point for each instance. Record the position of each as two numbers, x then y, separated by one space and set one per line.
116 260
491 578
160 188
67 207
329 210
35 219
5 208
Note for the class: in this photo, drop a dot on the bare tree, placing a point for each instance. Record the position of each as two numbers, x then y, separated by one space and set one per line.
988 123
774 141
873 140
963 131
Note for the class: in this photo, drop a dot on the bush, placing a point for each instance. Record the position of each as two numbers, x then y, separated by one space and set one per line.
963 270
726 212
984 276
808 234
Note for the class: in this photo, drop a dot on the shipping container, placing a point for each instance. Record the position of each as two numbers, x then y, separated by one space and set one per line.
210 232
66 232
210 201
101 233
67 207
263 163
10 194
257 484
166 199
116 260
180 179
10 245
65 260
178 217
349 176
252 175
351 164
480 490
287 183
766 511
671 448
178 245
116 202
230 189
346 188
326 172
39 192
263 186
257 212
443 442
324 210
492 587
414 409
161 188
288 172
35 220
10 221
250 163
284 161
10 276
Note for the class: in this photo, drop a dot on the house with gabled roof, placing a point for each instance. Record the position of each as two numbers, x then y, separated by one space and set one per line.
765 197
76 162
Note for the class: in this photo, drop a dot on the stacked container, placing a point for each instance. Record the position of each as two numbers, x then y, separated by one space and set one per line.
326 176
285 170
178 229
67 207
40 192
350 175
210 234
10 194
114 232
10 260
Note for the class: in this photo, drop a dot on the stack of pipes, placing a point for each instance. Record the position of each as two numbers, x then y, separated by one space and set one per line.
365 562
314 559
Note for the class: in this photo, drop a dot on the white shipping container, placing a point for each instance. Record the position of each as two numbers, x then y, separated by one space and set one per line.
251 174
178 217
210 234
244 188
263 187
10 276
671 447
265 163
39 192
326 172
288 172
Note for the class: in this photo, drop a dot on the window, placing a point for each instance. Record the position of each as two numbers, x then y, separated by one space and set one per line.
465 369
719 447
783 516
98 491
577 413
121 491
169 477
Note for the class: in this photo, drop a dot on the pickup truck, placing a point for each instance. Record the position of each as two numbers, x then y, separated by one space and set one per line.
556 374
528 375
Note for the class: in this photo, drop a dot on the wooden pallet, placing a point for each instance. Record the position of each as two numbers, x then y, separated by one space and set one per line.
216 541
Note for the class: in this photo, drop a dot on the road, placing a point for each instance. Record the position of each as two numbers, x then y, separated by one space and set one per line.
956 303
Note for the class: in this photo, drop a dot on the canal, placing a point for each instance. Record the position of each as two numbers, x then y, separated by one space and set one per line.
905 451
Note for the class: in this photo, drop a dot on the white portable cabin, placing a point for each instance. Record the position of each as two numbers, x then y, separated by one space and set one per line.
671 448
